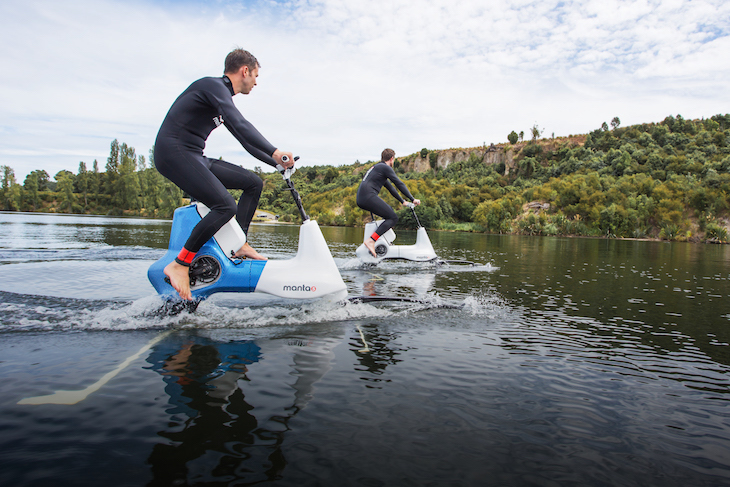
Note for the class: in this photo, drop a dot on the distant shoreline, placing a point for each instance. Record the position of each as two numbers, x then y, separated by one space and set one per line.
278 222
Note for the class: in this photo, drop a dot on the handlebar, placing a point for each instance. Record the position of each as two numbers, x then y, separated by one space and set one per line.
287 172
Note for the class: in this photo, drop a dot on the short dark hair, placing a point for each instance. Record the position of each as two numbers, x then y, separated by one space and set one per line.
238 58
387 155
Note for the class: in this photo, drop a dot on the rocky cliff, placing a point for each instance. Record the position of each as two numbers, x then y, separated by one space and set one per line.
443 158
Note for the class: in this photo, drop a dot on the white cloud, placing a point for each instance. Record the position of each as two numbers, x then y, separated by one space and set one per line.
341 79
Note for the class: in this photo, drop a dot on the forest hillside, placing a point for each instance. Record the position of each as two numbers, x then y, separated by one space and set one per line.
667 180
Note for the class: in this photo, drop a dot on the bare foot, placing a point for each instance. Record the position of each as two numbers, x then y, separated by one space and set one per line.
249 252
179 279
370 244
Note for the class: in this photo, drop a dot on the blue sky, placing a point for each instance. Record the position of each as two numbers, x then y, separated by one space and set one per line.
343 79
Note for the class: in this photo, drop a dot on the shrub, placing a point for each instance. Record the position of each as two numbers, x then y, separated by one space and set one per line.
716 233
669 232
496 215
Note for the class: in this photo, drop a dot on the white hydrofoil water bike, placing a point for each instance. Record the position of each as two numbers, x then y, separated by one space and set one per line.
421 251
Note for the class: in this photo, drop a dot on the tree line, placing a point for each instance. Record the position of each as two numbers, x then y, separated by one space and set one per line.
668 180
127 186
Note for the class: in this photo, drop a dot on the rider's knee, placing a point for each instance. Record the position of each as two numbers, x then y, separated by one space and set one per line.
227 207
258 185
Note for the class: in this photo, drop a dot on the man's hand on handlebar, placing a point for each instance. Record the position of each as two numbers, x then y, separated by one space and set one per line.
284 159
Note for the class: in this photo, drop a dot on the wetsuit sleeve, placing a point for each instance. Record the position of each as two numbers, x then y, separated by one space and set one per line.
243 130
392 191
398 184
259 154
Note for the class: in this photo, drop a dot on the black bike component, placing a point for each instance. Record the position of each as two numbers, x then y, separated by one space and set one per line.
416 217
295 195
204 269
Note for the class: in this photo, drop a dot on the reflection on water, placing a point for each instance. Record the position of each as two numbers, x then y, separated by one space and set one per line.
571 362
209 414
222 426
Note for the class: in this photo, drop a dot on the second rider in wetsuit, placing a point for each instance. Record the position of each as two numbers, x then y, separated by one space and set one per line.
381 174
202 107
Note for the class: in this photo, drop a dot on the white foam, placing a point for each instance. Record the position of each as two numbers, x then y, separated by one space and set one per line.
145 313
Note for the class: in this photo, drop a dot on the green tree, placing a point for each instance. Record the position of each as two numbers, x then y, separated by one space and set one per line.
63 173
9 201
513 137
151 184
112 169
142 181
171 199
535 131
31 188
154 185
330 175
43 178
82 183
433 158
127 195
95 181
65 187
615 123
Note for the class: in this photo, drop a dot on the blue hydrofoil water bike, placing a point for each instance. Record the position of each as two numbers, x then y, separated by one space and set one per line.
311 273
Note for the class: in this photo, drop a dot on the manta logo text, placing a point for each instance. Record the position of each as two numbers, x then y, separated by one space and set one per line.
300 288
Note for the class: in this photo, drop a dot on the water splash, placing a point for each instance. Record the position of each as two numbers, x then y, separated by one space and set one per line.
26 313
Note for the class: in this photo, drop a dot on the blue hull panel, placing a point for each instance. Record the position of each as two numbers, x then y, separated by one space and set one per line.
238 276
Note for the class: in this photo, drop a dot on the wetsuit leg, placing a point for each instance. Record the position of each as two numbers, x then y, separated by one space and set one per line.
236 177
189 171
376 205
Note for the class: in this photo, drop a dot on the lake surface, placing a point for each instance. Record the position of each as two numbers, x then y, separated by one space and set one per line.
570 362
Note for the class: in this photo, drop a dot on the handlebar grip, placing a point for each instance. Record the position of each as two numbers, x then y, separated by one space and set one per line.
284 170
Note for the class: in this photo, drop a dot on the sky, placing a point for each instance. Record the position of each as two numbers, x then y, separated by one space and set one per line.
341 80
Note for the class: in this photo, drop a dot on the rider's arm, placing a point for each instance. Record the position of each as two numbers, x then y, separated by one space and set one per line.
258 153
274 159
392 191
399 184
243 130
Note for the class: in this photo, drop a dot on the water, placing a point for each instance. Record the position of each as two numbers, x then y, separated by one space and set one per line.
571 362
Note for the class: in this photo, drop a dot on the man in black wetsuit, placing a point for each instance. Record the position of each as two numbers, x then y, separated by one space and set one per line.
381 174
202 107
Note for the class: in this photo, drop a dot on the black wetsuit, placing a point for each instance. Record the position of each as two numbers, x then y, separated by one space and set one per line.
378 176
203 106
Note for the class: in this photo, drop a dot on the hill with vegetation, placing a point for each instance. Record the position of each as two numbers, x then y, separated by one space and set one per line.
667 180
